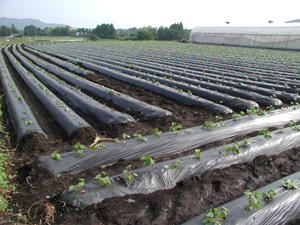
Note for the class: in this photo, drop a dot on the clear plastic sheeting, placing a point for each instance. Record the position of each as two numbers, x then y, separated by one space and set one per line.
283 37
149 179
167 143
280 210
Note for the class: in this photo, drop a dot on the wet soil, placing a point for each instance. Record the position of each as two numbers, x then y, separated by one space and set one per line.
38 192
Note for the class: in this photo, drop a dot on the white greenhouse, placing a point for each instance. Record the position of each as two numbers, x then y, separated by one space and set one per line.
280 37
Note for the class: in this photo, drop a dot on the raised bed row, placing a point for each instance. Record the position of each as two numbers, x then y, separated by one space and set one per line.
253 86
167 143
118 98
147 179
68 119
281 209
76 98
20 113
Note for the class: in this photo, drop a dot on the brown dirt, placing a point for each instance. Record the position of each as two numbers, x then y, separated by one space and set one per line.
38 190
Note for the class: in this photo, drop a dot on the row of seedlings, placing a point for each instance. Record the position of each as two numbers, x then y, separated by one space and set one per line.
75 97
21 116
119 99
67 118
165 175
270 91
185 98
170 142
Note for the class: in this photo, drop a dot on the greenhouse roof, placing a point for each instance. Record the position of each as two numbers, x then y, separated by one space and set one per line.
270 30
294 21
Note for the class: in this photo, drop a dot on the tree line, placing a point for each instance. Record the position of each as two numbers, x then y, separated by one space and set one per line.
105 31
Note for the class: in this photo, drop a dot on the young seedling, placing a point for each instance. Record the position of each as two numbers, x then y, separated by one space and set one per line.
213 216
209 125
129 175
269 194
236 116
78 186
147 160
245 143
102 179
289 184
125 136
292 124
175 127
197 154
28 122
156 132
79 148
271 109
266 133
140 137
56 156
253 201
175 166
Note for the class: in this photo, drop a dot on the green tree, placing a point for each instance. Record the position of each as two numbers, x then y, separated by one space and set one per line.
105 31
30 31
5 31
143 34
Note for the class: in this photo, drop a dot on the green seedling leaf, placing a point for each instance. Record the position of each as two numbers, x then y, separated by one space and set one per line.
56 156
289 184
102 179
269 194
197 154
147 160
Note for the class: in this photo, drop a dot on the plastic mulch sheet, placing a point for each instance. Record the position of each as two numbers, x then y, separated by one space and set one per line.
149 179
280 210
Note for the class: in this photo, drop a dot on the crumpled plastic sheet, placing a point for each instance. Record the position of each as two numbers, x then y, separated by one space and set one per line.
280 210
118 98
17 107
67 65
69 123
149 180
158 88
167 143
78 99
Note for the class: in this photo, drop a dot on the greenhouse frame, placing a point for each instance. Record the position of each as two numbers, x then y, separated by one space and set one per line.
275 37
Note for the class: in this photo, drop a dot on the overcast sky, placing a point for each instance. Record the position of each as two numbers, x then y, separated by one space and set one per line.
138 13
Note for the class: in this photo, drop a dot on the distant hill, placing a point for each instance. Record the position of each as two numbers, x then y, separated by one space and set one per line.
20 24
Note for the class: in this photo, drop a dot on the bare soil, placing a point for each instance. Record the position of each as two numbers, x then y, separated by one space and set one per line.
38 191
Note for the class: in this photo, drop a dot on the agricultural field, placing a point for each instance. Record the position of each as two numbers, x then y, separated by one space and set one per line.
116 132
